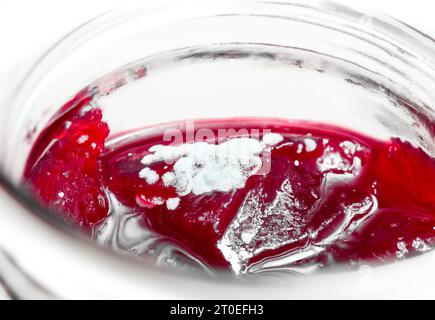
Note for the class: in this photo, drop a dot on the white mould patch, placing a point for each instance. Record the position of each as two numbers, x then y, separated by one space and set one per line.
150 176
348 147
310 144
199 168
172 203
271 139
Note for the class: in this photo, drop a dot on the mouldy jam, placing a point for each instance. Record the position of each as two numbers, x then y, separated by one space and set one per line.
302 193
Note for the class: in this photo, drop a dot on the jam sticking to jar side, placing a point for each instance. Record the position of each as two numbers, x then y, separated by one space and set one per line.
266 193
63 169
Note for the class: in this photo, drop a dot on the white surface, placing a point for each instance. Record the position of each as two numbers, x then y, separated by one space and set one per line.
28 26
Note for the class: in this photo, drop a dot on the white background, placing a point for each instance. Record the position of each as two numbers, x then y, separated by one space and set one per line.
28 26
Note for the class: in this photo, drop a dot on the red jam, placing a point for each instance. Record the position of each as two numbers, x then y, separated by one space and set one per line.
64 168
350 197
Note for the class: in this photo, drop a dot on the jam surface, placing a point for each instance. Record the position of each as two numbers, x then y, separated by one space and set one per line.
301 192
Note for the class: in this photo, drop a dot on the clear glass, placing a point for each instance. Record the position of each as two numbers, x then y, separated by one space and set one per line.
305 60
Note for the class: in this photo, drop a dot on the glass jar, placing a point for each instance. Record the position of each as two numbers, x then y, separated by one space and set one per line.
307 60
